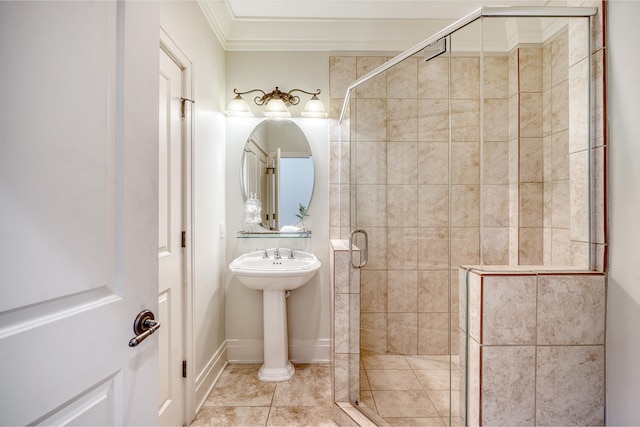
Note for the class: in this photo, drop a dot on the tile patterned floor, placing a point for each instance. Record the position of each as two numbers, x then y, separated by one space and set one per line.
410 390
403 390
239 398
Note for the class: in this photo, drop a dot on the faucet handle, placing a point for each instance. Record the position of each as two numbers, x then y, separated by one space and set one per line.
265 254
291 254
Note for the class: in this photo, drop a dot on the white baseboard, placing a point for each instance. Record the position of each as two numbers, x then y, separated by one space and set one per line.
207 378
300 351
310 351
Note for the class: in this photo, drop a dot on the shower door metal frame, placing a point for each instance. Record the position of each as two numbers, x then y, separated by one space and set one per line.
486 11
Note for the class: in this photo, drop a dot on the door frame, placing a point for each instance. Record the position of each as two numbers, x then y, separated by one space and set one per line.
168 44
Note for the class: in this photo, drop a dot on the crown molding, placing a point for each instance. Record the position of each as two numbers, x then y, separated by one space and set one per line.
220 17
347 34
285 34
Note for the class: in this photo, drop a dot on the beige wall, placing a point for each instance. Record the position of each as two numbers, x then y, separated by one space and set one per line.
309 306
187 27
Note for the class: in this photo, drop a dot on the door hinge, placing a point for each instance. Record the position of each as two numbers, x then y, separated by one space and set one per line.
184 369
183 113
184 239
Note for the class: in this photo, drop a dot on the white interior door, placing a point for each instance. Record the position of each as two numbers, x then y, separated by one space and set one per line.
170 249
78 229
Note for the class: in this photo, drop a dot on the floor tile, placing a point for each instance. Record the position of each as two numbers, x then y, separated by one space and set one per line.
239 398
435 379
429 362
310 416
366 397
239 386
385 361
231 416
310 386
442 399
404 404
393 379
417 422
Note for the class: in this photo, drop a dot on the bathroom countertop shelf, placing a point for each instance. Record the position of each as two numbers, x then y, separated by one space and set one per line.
274 234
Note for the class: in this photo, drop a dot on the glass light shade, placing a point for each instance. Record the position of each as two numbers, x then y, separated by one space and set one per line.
314 108
276 108
238 108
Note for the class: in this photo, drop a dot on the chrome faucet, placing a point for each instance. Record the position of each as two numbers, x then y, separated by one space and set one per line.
276 254
265 254
290 254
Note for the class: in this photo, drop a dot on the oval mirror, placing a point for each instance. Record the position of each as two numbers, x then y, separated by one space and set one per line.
277 166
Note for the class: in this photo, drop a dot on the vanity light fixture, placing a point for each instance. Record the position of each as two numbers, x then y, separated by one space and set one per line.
276 103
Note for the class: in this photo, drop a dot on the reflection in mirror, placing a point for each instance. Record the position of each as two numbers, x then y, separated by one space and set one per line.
277 166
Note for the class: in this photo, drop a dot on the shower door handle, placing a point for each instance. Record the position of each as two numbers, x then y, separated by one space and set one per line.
366 248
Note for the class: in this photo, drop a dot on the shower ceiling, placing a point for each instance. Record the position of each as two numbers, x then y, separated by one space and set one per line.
337 25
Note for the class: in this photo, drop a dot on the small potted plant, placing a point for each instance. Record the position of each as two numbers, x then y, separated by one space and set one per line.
302 212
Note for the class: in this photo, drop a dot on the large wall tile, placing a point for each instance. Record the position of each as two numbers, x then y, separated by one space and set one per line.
495 205
465 120
373 333
433 291
433 333
531 251
402 248
508 386
433 248
496 77
377 86
495 246
530 69
402 163
433 158
403 291
372 205
402 119
496 128
531 115
465 77
402 205
495 167
433 120
371 116
433 205
465 205
570 387
465 165
433 79
342 72
571 309
404 336
465 246
402 80
373 291
508 310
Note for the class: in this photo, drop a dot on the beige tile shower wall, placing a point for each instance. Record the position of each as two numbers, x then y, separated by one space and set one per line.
536 347
495 158
401 157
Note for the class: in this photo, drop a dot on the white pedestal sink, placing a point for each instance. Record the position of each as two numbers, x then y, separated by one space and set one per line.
275 271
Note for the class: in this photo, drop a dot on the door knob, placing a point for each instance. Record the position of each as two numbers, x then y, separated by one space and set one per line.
143 326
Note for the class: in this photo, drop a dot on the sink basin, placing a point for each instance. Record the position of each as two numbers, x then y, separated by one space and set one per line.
271 274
